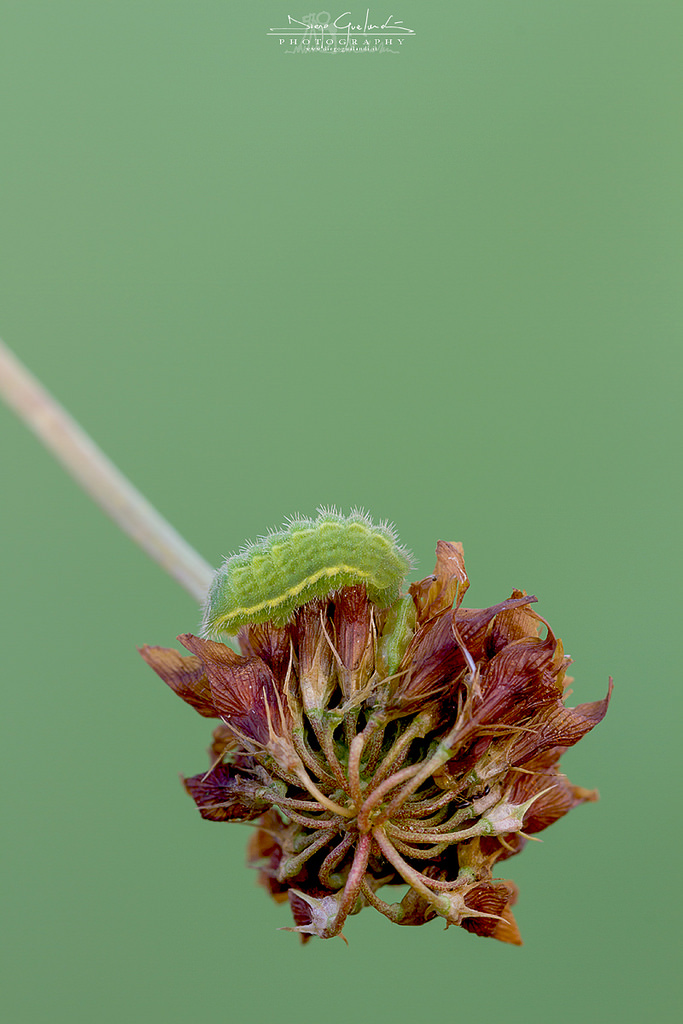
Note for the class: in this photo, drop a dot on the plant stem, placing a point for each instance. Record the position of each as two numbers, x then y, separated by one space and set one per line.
99 477
353 883
376 797
391 763
292 866
421 883
325 737
414 878
394 911
355 754
334 859
436 837
411 851
309 784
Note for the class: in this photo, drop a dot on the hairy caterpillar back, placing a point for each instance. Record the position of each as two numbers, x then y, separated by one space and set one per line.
308 558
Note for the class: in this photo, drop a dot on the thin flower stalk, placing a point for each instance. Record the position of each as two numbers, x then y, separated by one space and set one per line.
99 477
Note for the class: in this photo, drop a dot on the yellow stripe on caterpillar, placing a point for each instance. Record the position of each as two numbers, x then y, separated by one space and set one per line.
269 580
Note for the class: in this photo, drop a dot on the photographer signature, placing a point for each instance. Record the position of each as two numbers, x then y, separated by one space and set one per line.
323 21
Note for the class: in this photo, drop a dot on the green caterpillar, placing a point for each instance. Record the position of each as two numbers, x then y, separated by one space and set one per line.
308 558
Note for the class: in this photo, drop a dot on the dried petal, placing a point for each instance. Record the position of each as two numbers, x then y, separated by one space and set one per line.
270 643
473 623
431 666
353 630
185 675
448 584
224 743
243 689
221 796
518 623
316 679
518 680
494 899
264 853
558 727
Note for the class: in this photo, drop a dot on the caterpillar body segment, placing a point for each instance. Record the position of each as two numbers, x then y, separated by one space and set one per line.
268 580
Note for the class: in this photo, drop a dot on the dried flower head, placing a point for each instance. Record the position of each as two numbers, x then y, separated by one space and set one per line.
380 744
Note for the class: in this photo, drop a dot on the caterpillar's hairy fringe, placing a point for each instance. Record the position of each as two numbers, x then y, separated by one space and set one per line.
270 578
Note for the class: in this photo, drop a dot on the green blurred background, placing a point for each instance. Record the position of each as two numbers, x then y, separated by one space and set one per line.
439 284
